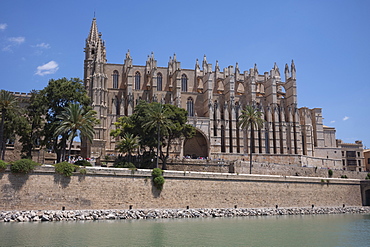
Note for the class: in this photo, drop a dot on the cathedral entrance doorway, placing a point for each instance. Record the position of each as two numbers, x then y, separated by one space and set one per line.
196 147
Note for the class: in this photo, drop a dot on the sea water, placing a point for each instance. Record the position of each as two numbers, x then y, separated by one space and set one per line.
305 230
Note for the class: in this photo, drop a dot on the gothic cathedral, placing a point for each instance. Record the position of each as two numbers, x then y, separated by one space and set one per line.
213 98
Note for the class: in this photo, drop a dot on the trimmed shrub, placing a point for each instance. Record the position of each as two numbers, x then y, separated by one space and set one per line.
158 182
158 179
330 173
3 165
65 168
82 163
157 172
343 176
368 176
23 166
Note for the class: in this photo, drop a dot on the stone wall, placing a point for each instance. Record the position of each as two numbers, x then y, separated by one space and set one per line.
262 168
106 188
293 170
200 166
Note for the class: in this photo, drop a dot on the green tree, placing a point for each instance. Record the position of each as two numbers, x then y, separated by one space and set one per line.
128 144
148 137
177 129
157 118
31 129
8 104
251 118
123 125
157 126
53 99
75 120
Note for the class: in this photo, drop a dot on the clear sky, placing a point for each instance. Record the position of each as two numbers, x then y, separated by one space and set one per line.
329 41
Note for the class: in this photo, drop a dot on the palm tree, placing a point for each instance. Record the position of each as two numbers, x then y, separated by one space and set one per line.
128 144
251 118
157 118
75 120
7 103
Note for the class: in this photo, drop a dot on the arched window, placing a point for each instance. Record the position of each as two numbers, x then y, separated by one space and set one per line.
184 83
190 107
137 80
159 82
115 79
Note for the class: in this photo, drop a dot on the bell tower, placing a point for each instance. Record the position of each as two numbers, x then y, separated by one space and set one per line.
95 81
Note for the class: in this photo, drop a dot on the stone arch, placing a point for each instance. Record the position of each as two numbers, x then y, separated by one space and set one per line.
197 146
365 192
220 88
281 92
367 198
240 88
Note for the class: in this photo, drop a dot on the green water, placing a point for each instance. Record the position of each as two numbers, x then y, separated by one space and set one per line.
318 230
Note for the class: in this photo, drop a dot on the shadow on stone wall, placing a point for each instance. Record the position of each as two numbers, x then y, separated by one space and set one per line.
155 192
81 177
62 180
17 180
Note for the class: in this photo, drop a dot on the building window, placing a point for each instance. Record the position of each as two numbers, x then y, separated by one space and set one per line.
368 160
358 154
359 162
184 83
190 107
137 80
159 82
351 153
351 162
115 79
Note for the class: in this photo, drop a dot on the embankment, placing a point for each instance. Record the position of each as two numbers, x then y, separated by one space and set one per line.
105 188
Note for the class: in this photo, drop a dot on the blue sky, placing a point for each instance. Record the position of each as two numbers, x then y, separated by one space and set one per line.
329 41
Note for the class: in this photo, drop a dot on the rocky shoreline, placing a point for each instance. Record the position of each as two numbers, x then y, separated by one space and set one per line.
78 215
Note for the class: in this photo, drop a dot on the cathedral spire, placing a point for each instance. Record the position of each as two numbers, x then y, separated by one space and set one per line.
287 72
293 71
94 34
197 64
95 47
217 67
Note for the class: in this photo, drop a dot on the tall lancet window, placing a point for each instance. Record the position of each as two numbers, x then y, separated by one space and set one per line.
190 107
137 80
159 82
184 83
115 79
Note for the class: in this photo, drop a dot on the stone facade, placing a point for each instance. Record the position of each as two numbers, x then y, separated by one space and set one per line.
367 159
352 156
214 98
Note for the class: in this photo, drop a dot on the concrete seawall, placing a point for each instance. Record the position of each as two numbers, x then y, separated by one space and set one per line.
105 188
